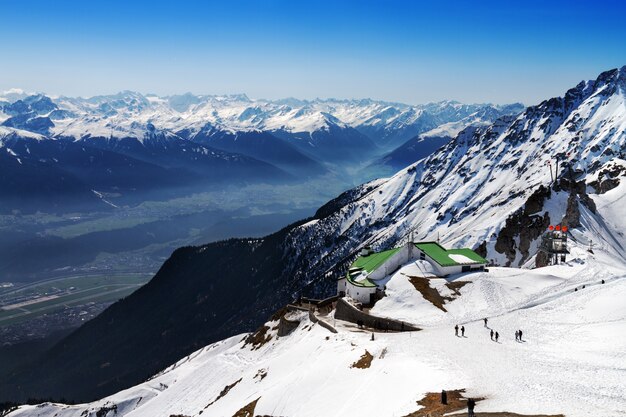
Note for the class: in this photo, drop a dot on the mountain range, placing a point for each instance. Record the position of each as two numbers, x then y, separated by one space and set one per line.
494 188
118 149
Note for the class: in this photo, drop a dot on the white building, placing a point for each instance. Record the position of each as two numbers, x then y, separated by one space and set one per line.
370 271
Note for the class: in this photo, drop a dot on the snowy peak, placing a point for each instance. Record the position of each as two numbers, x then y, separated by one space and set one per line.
387 124
614 81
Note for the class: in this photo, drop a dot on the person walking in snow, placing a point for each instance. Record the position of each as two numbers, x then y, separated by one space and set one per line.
497 336
485 319
456 330
516 335
463 331
491 334
520 335
470 407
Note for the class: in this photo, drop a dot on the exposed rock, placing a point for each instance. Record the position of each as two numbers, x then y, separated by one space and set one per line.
482 249
608 177
223 393
578 193
572 213
541 259
525 225
534 204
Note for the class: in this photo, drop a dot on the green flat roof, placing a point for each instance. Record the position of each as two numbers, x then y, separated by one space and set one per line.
440 254
469 254
369 263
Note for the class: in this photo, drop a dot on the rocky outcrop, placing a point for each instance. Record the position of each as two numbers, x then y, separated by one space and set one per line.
608 177
572 213
482 249
523 226
578 194
541 260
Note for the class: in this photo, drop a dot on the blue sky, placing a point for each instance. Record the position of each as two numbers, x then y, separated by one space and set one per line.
408 51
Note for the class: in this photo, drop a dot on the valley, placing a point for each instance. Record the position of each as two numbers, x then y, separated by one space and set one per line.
35 311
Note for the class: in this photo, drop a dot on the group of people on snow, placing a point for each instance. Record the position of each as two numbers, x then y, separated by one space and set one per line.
495 336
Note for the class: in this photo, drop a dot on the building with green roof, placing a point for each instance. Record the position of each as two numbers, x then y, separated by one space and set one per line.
370 271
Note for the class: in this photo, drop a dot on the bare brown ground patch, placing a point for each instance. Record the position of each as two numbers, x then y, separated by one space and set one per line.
507 414
429 293
432 407
247 410
455 286
258 338
223 392
365 361
432 295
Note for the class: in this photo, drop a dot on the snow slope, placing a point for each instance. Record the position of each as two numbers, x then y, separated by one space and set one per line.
571 360
464 192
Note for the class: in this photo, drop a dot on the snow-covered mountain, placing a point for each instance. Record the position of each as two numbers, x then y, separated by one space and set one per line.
41 173
569 360
210 138
490 188
127 113
490 185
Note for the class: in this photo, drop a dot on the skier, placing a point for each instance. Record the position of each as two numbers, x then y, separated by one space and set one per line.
444 397
520 335
516 335
491 334
485 319
497 336
372 336
456 330
463 331
470 407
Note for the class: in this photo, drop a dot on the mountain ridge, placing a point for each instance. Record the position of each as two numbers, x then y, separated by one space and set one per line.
464 193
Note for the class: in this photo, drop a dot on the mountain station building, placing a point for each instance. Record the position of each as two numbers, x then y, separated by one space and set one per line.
371 270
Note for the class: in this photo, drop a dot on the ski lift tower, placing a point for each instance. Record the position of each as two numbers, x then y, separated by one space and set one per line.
554 244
